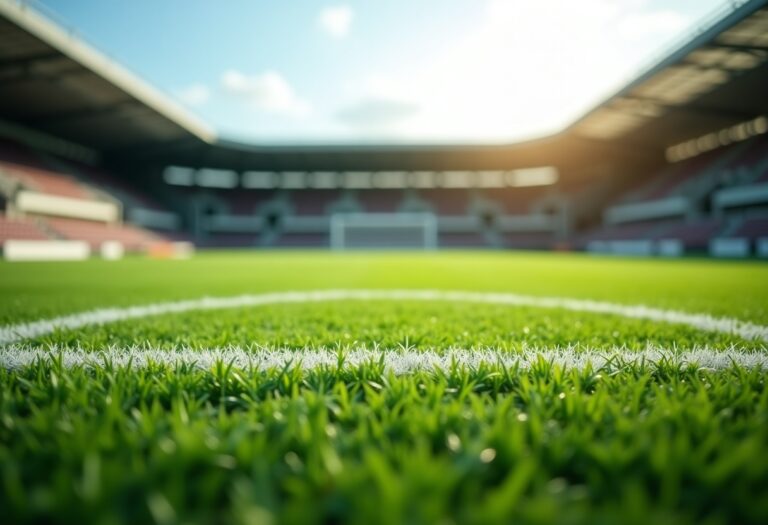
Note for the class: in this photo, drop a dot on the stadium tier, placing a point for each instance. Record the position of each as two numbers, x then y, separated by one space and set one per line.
381 201
26 168
302 240
678 157
740 163
131 197
695 201
295 217
694 235
752 228
312 202
97 233
46 197
19 228
462 240
447 201
717 194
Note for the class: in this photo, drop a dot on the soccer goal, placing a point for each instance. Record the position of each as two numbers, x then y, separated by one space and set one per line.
383 230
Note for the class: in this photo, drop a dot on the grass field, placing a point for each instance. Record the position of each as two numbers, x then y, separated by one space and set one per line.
553 400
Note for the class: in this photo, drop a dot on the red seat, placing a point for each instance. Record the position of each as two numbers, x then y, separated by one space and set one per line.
295 240
457 240
752 228
19 229
447 201
692 234
380 201
313 202
516 201
20 163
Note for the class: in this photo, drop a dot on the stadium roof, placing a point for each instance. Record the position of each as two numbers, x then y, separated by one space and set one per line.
53 82
712 81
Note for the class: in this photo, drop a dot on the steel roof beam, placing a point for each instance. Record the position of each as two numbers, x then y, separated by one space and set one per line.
24 63
34 76
81 114
739 47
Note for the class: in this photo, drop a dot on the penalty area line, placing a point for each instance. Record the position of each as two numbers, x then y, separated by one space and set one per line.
19 332
398 361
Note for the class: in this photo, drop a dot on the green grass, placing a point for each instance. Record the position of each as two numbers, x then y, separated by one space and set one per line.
35 290
643 443
390 324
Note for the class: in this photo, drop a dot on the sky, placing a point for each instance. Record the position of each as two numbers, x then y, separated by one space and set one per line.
392 71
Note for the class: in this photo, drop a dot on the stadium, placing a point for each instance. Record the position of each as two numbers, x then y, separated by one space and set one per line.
570 328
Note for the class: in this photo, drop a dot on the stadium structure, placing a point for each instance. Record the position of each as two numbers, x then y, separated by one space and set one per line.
675 162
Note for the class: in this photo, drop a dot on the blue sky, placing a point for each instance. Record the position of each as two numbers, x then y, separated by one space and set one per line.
286 71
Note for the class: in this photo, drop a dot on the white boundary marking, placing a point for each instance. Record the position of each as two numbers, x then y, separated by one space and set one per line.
16 333
398 361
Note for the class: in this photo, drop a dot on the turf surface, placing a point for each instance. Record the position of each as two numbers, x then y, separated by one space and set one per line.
648 442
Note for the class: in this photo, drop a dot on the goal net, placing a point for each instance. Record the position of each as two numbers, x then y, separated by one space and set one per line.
383 230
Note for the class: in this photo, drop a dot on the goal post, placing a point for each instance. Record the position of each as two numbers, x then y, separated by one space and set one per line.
383 230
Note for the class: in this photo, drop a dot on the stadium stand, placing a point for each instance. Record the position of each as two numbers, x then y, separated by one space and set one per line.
698 176
380 200
633 231
289 217
751 228
247 202
752 163
695 200
673 178
694 235
447 201
313 202
97 233
24 170
672 156
461 240
225 201
299 240
529 241
515 200
21 229
127 194
228 240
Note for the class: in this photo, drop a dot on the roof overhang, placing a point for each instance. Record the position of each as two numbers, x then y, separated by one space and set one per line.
714 80
53 82
564 152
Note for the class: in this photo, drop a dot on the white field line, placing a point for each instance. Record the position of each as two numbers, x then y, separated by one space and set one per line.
399 361
15 333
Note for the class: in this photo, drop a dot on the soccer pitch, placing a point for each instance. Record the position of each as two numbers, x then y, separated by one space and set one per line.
455 387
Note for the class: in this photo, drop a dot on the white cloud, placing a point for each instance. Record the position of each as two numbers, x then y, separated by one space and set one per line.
336 20
267 91
194 95
522 68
